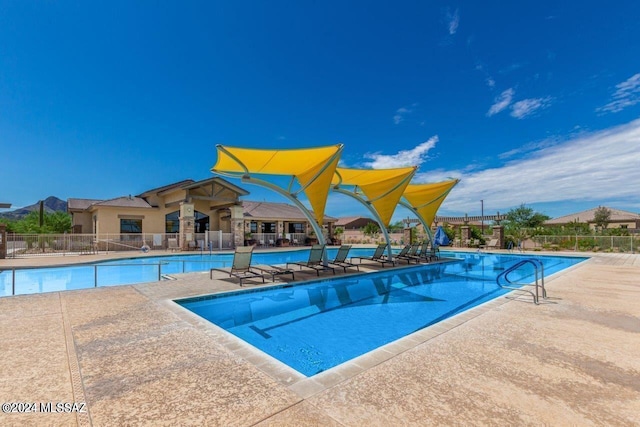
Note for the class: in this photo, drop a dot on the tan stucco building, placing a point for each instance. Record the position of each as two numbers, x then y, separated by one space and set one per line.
187 209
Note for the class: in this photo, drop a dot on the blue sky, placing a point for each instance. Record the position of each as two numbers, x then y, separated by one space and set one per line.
525 102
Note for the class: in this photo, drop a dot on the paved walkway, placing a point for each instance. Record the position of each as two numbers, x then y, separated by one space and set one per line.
136 358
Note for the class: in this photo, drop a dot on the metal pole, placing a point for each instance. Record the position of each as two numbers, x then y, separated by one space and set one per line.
482 214
95 276
13 281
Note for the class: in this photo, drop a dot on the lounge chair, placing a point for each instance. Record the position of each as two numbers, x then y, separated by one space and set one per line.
341 258
241 267
433 253
410 253
492 243
274 271
315 260
378 256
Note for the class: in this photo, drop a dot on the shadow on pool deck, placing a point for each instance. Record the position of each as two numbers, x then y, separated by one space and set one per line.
136 358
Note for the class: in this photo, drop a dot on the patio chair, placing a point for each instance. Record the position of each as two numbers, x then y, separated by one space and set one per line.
315 260
433 253
275 271
172 244
241 267
492 243
378 256
410 253
341 258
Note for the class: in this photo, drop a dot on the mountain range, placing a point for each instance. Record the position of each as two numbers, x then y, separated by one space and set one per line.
51 204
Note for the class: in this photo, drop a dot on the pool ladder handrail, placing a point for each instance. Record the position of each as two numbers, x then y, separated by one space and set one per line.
539 283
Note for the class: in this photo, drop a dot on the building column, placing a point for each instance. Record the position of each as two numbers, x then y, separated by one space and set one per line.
465 234
237 225
187 224
498 233
406 235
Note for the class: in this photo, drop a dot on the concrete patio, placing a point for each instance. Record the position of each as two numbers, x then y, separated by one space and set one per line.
137 358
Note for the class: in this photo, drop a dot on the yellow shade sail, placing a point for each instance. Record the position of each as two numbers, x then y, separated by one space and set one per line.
312 167
427 198
382 187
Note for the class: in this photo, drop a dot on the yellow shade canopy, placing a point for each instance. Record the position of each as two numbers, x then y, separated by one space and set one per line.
382 187
427 198
312 167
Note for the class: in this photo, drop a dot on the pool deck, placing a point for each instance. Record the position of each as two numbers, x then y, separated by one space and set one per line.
136 358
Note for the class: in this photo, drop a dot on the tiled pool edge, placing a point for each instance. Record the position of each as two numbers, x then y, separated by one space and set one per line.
306 387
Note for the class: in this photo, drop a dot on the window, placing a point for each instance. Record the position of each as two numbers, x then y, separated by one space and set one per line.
268 227
130 226
201 222
172 222
254 227
296 227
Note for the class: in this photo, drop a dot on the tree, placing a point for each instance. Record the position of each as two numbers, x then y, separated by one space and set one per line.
522 221
601 217
396 227
371 230
53 223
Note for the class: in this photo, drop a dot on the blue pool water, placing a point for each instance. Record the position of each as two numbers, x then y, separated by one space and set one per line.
134 270
316 326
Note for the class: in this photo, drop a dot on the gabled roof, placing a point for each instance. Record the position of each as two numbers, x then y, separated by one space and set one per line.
176 185
118 202
617 215
124 202
216 180
349 219
273 210
80 204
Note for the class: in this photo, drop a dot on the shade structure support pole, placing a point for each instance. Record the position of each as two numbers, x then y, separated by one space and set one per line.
426 226
383 227
314 224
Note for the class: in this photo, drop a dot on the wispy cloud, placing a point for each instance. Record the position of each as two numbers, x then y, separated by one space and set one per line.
414 157
596 167
453 21
527 107
501 102
400 113
627 94
512 67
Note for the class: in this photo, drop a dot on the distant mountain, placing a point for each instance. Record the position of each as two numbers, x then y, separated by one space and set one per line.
51 204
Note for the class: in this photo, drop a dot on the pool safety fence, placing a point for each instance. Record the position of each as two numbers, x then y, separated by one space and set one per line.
35 245
589 243
18 281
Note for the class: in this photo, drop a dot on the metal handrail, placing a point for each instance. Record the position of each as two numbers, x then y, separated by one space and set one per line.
539 279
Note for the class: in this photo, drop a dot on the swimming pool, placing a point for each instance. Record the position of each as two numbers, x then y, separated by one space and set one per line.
316 326
135 270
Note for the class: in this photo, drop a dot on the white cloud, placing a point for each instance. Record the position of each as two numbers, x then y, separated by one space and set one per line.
627 94
526 107
400 112
453 20
490 82
414 157
592 168
501 102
